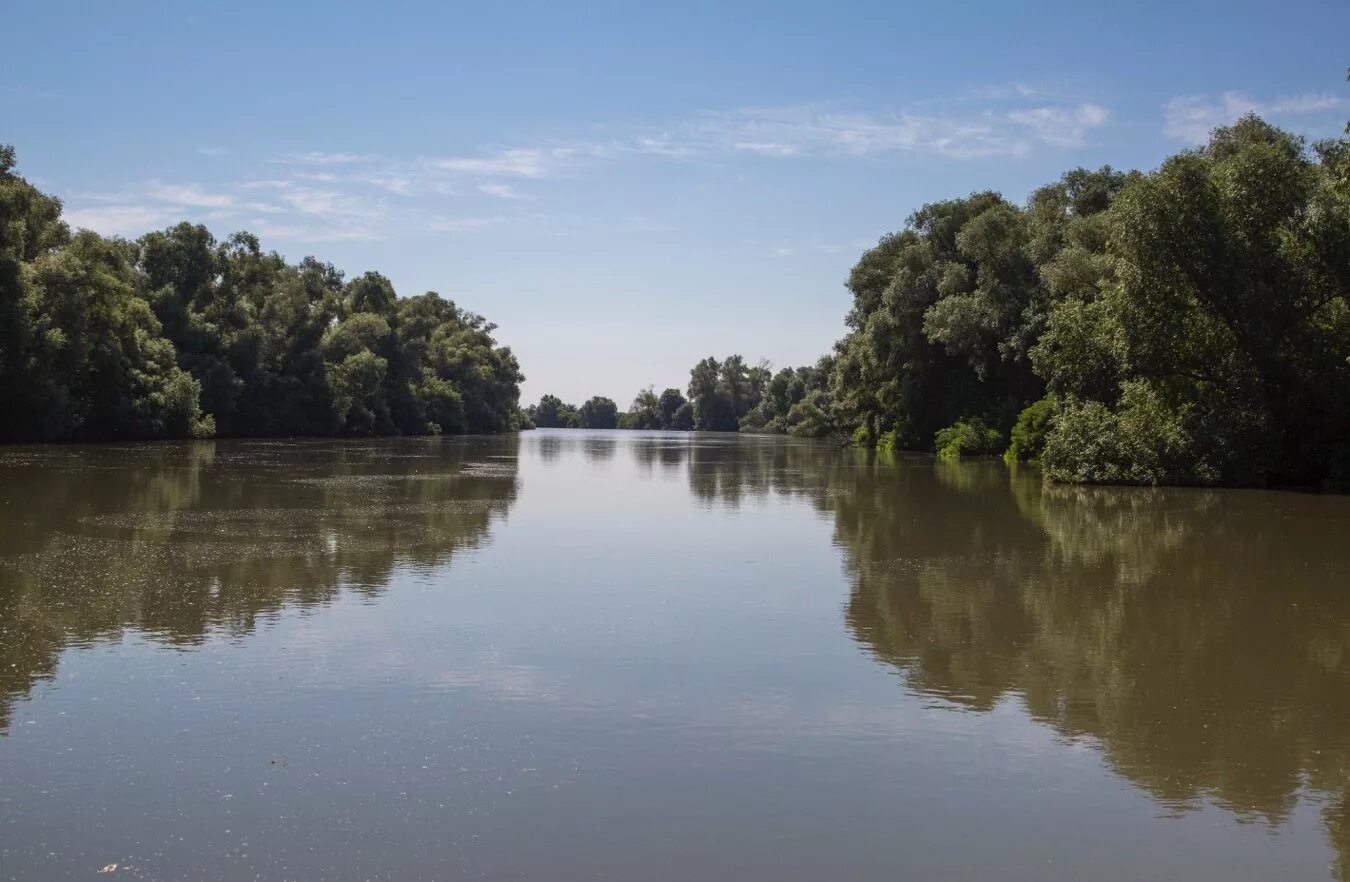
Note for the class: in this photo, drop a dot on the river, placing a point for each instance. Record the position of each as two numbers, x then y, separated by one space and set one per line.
627 655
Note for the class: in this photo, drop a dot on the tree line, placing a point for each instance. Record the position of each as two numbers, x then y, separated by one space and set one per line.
1185 325
1188 325
723 396
177 335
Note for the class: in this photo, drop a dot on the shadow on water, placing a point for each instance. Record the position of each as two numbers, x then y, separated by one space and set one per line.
178 541
1199 640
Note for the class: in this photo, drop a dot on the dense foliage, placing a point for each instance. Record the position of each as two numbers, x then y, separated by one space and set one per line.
724 396
1190 325
1187 325
178 335
551 413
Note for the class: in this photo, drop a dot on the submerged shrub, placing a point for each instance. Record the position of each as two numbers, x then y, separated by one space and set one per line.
1030 430
810 417
968 437
1143 441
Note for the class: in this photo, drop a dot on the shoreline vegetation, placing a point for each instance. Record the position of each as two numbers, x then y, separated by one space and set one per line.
1189 325
176 335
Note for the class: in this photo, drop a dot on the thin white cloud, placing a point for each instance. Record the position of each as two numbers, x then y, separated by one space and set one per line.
23 90
663 144
189 195
319 195
213 151
811 131
330 203
464 224
265 184
316 157
530 162
1308 103
819 247
501 191
766 148
120 220
270 229
1004 91
1191 118
293 209
1060 126
397 184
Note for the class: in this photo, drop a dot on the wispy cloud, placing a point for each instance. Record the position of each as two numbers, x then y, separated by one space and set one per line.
213 151
318 195
1308 103
501 191
308 232
284 208
819 247
23 90
1191 118
120 220
812 131
530 162
664 144
401 185
329 203
316 157
1004 91
189 195
463 224
1060 126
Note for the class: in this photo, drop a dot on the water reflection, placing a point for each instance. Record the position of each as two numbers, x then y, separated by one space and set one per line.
178 541
600 450
667 451
1199 639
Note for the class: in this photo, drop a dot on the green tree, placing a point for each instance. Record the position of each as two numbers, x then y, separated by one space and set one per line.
940 336
177 335
110 373
30 227
683 418
712 409
668 405
1227 324
645 411
552 413
599 413
546 414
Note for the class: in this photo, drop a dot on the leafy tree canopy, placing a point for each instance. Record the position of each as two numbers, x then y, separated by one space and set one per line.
177 335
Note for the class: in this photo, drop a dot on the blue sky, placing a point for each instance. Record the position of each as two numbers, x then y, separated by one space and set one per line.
625 187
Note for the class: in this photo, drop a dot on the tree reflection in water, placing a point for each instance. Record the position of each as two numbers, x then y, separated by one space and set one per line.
178 541
1199 639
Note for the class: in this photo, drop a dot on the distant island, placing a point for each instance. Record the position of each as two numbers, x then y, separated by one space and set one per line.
1189 325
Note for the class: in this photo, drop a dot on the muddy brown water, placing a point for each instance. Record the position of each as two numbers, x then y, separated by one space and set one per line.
571 655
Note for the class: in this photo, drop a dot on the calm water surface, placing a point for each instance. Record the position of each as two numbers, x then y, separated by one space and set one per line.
578 655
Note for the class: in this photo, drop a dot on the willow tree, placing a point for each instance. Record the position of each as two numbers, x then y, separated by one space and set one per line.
1226 326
